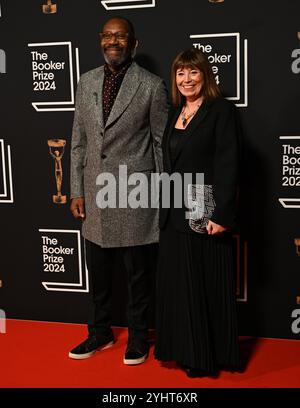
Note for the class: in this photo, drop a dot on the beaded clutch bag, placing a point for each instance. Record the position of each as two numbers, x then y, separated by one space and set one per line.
201 205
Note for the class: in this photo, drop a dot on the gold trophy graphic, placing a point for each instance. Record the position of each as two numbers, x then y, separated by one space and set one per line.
297 243
56 149
49 8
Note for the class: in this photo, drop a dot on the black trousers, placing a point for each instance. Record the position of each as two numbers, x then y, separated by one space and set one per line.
140 264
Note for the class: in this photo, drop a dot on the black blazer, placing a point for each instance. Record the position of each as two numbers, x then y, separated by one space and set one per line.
210 145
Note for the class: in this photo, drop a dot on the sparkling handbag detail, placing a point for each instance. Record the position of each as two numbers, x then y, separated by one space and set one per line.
201 205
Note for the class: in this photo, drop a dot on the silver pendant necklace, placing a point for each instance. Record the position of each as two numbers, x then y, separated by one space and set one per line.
186 118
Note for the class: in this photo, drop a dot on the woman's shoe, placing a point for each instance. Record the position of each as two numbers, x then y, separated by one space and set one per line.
197 372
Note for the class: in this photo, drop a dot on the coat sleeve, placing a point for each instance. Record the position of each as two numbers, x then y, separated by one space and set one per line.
78 148
226 165
158 119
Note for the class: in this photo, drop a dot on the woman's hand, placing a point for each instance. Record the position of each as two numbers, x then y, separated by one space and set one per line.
213 228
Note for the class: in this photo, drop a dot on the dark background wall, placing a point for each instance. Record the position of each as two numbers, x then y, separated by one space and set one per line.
261 56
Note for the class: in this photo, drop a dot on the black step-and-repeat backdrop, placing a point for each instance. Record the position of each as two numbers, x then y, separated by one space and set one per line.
254 48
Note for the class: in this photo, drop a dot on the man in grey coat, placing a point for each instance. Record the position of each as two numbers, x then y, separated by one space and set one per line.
120 116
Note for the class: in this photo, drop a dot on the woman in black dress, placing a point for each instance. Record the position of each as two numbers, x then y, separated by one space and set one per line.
196 309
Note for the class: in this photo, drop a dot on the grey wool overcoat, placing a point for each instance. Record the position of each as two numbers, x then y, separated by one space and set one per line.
132 137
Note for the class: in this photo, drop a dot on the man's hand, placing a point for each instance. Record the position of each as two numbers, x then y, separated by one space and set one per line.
78 208
213 228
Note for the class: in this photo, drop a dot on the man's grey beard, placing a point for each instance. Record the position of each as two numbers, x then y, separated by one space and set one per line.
117 61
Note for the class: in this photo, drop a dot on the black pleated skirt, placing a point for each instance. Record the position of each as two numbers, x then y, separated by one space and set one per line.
196 322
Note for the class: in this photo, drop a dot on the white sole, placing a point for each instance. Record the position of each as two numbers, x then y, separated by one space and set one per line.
91 353
135 361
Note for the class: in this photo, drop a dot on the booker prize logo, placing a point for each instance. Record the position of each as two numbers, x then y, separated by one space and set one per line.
63 265
127 4
6 182
49 8
229 59
290 174
56 150
53 72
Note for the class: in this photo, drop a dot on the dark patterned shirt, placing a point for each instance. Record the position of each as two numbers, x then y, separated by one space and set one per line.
111 86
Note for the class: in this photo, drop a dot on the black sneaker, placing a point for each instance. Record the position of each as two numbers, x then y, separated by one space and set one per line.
136 352
88 347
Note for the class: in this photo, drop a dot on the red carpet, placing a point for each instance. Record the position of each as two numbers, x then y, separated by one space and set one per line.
35 354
